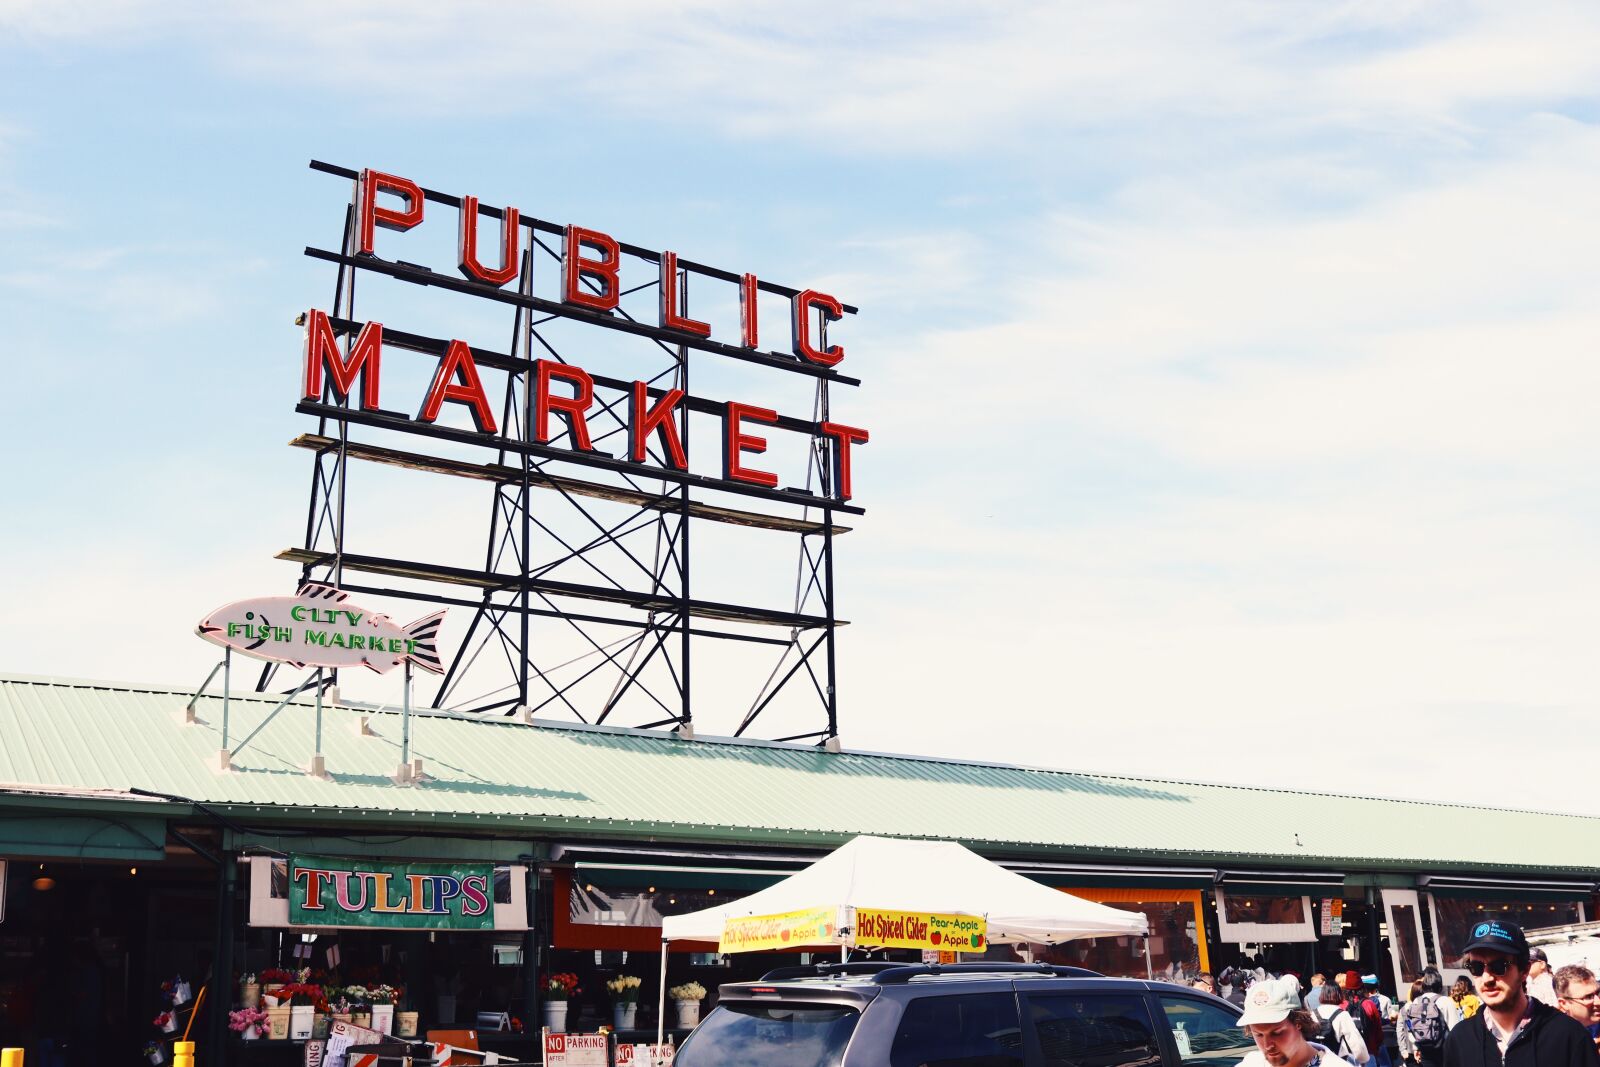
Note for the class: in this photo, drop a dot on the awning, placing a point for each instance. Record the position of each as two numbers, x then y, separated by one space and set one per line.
1282 883
1073 875
1505 889
620 866
121 837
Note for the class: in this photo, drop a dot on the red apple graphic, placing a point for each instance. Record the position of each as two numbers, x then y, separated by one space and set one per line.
935 937
784 936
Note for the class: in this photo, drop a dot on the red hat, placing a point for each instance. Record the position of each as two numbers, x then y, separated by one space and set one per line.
1350 980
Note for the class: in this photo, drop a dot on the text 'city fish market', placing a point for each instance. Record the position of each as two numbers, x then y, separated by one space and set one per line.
318 627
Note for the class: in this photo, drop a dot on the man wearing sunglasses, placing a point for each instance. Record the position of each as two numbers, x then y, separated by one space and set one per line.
1512 1029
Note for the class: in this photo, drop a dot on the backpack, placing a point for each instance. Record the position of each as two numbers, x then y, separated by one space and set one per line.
1325 1035
1367 1025
1424 1022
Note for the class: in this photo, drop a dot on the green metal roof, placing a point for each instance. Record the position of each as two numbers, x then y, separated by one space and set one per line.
497 776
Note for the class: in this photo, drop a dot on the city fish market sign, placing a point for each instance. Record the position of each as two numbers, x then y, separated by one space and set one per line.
319 627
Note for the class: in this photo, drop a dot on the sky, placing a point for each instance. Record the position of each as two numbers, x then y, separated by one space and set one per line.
1230 367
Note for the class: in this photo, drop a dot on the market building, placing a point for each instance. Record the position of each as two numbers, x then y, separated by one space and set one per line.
132 858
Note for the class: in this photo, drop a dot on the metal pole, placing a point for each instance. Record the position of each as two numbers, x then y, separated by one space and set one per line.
215 1048
661 1000
227 684
405 728
317 765
1149 967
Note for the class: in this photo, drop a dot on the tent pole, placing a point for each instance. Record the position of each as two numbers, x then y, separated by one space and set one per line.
1149 968
661 1004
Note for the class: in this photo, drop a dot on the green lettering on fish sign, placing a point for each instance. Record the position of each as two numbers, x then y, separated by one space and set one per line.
282 633
317 637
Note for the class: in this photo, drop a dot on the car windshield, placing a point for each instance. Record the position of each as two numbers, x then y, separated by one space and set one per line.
770 1035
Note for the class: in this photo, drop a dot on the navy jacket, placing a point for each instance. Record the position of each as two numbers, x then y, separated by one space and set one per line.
1551 1039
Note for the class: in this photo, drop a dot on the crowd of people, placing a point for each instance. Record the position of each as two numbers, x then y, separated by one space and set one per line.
1513 1012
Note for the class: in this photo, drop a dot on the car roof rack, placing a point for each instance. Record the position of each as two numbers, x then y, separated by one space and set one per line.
905 972
817 970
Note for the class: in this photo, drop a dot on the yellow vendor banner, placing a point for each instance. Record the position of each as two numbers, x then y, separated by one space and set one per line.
791 929
893 928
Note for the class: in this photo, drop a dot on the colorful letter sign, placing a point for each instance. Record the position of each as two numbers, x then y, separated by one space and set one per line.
417 896
892 928
790 929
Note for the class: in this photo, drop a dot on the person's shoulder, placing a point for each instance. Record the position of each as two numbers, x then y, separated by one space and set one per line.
1556 1022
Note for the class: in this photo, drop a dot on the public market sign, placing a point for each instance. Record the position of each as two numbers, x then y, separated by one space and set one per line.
894 928
319 627
592 280
410 896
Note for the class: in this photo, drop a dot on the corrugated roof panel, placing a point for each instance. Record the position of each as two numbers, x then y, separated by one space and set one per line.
56 733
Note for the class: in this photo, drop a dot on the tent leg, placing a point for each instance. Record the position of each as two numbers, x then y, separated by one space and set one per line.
661 1004
1149 968
844 953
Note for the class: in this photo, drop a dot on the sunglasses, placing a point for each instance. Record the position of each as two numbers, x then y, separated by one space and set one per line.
1498 968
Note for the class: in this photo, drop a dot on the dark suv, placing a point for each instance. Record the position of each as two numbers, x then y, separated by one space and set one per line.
962 1015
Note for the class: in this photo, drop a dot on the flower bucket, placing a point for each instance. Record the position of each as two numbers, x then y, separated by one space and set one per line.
278 1022
688 1013
383 1018
405 1024
158 1057
250 995
341 1017
624 1013
321 1025
555 1015
301 1019
248 1033
362 1019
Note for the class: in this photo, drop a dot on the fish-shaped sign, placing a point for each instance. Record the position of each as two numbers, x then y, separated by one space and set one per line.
319 627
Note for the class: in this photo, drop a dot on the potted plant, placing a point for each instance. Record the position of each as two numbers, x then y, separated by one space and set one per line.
303 999
167 1020
558 989
624 990
382 998
248 1023
405 1021
687 998
155 1052
360 1005
274 979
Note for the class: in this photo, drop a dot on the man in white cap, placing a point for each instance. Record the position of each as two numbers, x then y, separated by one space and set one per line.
1282 1029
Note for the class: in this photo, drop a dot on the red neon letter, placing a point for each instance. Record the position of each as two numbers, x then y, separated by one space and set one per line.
831 310
458 360
643 420
842 436
572 408
322 346
748 324
368 212
467 245
574 267
670 319
737 443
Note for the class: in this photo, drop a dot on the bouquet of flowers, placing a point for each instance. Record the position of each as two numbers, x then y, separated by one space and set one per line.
277 976
687 991
357 996
302 993
383 994
562 986
249 1018
624 988
165 1020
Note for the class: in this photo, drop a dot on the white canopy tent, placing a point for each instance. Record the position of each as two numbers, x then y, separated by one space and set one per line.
933 876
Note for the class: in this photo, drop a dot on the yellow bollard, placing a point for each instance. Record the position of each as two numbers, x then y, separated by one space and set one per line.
11 1057
183 1054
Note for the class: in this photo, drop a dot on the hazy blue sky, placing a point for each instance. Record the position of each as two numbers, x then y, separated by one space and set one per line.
1231 367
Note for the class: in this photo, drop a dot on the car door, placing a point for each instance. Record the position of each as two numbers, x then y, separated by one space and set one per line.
1204 1032
1089 1029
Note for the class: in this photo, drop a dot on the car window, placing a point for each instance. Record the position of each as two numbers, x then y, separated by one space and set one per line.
770 1035
975 1030
1092 1030
1205 1033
